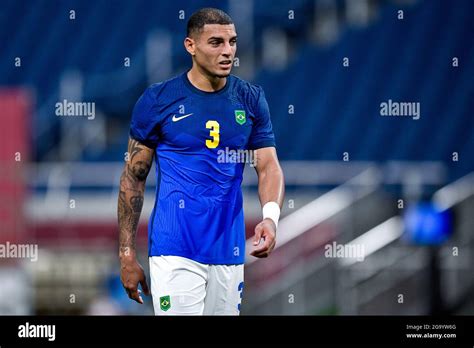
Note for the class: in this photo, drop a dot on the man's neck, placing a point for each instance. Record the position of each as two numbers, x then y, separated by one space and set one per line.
204 82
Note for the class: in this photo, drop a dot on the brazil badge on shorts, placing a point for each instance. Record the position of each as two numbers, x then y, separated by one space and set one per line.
240 116
165 303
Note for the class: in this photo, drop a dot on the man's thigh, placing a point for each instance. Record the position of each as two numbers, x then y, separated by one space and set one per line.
178 285
224 290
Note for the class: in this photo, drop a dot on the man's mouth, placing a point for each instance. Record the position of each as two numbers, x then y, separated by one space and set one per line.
225 63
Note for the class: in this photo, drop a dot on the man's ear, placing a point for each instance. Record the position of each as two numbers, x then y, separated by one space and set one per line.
190 45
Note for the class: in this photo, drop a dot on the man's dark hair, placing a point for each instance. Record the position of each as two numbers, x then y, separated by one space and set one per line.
204 16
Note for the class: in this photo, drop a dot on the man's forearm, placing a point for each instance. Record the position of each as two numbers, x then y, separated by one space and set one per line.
271 187
130 205
271 191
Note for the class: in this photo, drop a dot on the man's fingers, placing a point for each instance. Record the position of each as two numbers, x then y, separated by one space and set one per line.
265 246
258 234
260 254
263 251
262 248
144 285
134 294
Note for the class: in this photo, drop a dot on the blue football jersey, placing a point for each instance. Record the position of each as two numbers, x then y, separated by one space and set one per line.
198 212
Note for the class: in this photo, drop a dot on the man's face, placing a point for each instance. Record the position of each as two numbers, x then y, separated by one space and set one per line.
215 49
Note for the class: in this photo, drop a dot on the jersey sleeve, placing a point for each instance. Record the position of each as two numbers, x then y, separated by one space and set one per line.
262 132
144 126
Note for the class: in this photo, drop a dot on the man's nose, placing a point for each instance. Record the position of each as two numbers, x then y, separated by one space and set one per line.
227 51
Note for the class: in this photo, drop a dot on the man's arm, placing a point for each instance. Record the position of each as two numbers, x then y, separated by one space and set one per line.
271 188
130 203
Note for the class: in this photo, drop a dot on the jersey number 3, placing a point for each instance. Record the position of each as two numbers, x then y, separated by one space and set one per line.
214 133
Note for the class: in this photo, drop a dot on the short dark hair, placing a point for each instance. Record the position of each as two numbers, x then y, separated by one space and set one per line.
205 16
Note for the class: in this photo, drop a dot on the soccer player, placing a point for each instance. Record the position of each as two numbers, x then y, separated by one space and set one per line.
196 231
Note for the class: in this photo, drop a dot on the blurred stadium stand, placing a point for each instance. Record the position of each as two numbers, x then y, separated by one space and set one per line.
321 110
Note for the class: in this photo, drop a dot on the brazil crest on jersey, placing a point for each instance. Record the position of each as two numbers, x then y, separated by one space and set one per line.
198 211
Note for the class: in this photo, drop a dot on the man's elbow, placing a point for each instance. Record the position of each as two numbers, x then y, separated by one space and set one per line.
140 171
272 171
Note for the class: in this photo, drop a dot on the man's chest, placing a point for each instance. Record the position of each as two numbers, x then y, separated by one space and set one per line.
196 124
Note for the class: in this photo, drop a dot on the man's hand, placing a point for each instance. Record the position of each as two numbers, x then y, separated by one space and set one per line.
265 230
132 274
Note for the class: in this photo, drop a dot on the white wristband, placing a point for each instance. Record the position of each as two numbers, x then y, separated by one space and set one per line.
271 210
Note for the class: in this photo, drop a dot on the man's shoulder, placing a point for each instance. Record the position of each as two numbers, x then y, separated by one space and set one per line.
245 85
249 91
160 87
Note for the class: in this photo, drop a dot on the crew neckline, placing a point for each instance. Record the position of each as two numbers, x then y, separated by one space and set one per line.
201 92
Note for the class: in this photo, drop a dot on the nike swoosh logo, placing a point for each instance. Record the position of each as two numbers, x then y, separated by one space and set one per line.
176 119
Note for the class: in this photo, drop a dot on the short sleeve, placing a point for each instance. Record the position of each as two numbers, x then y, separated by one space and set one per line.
262 132
144 126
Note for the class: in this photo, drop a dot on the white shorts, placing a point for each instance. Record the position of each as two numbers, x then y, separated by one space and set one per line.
180 286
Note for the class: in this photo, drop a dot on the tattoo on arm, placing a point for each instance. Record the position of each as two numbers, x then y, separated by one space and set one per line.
132 189
137 203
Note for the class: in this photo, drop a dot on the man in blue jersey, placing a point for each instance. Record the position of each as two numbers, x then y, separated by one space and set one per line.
196 230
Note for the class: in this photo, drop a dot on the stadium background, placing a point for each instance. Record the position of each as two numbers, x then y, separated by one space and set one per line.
353 177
